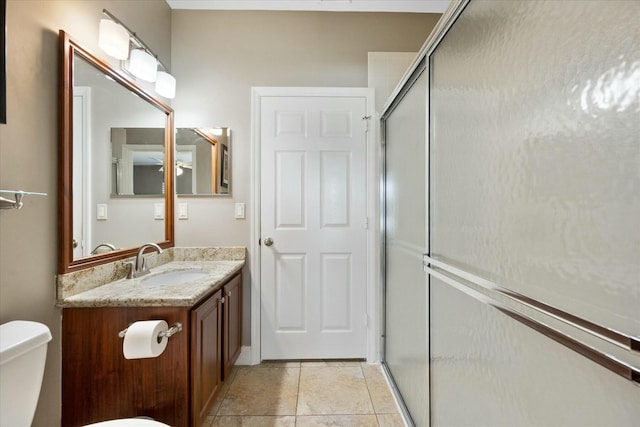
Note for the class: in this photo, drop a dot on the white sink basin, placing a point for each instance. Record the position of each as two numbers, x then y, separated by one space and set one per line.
175 277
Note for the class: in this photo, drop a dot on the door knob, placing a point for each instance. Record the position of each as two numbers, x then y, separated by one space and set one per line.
268 241
75 243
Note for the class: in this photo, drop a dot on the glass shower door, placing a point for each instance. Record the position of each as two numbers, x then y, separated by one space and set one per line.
406 344
535 215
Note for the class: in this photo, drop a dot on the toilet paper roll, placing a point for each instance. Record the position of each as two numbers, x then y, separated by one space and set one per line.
141 339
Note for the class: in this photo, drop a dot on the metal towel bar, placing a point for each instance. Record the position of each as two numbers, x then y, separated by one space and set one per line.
622 340
17 195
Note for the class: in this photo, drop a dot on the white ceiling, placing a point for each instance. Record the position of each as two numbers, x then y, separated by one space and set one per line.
417 6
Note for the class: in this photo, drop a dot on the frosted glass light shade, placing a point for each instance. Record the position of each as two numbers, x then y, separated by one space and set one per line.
166 85
113 39
143 65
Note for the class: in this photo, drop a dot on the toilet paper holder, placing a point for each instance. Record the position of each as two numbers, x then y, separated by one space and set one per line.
174 329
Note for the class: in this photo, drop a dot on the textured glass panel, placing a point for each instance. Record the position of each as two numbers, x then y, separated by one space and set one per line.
487 369
535 185
406 353
536 152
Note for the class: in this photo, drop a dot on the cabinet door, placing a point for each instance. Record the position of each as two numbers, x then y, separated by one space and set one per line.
206 340
99 384
232 324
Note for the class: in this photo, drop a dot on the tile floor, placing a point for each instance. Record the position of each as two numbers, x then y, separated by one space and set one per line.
306 394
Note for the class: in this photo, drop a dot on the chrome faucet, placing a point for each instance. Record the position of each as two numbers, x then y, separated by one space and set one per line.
140 267
103 245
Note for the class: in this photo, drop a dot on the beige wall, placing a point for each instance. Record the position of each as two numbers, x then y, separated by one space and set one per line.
28 154
218 56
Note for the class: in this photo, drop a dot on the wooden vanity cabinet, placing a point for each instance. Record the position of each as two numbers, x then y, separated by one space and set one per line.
177 388
232 335
99 384
206 372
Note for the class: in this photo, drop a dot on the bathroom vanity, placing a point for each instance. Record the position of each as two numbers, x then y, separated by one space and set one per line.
179 386
200 288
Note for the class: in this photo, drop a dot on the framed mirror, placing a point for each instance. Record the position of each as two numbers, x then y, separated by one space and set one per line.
98 103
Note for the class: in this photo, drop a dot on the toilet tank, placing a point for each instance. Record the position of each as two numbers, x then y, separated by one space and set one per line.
23 350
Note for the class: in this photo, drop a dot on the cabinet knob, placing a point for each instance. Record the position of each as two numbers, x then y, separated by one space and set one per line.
228 293
221 300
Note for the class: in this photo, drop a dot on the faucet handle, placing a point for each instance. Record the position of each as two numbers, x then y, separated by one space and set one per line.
132 268
143 267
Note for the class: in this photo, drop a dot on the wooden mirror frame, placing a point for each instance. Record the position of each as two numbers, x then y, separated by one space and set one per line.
3 62
69 49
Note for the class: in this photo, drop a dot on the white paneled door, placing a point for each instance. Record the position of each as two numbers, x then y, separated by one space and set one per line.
313 227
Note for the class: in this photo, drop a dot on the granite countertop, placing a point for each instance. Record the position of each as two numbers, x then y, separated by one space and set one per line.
137 293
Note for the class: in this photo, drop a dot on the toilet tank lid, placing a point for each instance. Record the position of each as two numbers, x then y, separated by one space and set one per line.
20 336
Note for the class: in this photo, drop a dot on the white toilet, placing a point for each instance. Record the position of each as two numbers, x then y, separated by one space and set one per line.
23 352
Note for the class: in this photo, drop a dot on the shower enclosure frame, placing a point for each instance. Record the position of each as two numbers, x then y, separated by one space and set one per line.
419 67
559 325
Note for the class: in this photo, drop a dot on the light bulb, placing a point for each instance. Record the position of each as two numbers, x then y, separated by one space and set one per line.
166 85
143 65
113 38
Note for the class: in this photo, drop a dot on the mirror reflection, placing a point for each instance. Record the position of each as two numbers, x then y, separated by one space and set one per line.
203 159
137 162
117 132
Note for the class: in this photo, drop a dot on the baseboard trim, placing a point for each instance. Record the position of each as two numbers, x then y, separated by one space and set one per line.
245 356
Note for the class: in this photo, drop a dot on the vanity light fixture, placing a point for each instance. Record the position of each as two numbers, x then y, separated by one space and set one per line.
166 85
113 38
142 63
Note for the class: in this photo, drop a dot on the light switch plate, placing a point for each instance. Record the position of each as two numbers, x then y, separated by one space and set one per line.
240 207
183 211
101 211
158 211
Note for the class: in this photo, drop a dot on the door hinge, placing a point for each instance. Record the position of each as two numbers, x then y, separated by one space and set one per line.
365 123
366 222
366 320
